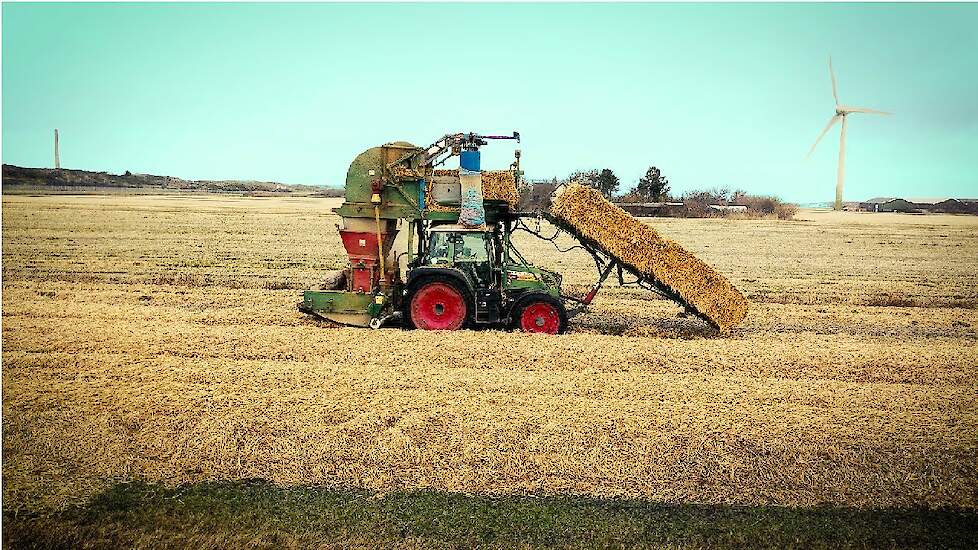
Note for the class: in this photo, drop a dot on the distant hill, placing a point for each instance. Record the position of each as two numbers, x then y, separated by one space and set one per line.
16 178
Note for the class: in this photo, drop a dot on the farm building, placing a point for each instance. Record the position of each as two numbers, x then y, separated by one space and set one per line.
939 204
898 205
920 204
887 204
875 204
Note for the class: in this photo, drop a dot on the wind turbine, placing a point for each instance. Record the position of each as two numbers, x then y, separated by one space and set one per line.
841 112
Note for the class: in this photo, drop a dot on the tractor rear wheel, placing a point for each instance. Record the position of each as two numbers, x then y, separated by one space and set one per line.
439 304
541 313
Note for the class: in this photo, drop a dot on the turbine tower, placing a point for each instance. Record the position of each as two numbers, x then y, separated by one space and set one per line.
842 112
57 155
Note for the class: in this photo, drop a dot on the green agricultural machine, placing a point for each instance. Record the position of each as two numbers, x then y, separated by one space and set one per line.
458 267
461 268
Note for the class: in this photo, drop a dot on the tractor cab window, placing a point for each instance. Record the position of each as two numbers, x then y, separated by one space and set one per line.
439 249
447 247
471 247
472 256
473 252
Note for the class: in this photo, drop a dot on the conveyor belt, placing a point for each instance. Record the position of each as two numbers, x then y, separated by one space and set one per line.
640 277
658 263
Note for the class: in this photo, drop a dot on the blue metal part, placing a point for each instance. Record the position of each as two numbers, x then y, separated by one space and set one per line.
470 160
421 188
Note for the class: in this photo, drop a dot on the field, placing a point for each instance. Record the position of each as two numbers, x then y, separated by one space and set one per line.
153 339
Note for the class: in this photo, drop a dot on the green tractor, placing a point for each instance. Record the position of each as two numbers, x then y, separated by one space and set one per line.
459 268
466 277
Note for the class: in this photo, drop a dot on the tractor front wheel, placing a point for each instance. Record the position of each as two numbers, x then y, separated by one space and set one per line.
543 314
439 305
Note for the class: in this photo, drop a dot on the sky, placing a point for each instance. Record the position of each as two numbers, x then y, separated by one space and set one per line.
715 95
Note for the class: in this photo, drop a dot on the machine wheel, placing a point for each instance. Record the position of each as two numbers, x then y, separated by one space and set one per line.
439 304
541 313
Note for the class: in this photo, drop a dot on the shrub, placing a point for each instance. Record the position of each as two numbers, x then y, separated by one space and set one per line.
758 206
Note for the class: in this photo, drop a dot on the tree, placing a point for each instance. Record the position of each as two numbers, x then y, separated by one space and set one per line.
608 183
584 177
604 181
654 186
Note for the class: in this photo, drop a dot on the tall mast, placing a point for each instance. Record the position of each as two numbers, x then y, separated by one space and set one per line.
57 156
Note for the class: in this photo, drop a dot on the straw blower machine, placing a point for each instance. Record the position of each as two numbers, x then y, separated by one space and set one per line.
456 267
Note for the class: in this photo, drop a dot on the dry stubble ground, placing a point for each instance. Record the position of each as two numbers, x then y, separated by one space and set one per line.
154 338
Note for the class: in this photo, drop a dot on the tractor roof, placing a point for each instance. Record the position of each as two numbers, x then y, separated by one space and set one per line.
455 228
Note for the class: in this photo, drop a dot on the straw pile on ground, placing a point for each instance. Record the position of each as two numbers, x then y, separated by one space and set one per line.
640 246
132 351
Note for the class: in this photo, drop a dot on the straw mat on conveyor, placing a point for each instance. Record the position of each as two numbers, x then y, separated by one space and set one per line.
640 247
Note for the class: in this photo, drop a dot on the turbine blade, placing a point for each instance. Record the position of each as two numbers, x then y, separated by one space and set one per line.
863 110
835 93
832 121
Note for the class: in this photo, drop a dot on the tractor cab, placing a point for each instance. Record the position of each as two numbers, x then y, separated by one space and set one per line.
474 251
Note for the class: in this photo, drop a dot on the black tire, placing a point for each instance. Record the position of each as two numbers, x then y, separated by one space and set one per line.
538 298
421 283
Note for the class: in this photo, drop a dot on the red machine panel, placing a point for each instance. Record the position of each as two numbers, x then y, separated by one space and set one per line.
361 245
363 277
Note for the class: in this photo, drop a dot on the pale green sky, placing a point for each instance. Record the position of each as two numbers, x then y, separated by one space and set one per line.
713 94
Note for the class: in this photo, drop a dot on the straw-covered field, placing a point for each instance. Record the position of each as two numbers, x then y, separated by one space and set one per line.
155 339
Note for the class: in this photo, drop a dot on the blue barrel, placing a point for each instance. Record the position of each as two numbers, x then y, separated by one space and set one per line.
469 160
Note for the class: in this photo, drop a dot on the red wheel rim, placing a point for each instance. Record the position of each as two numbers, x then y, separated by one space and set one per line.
438 306
540 317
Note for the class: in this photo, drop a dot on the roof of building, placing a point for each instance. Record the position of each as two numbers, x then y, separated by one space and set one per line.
649 204
923 201
879 200
929 200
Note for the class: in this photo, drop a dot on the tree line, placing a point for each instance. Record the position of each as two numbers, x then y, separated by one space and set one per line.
652 187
